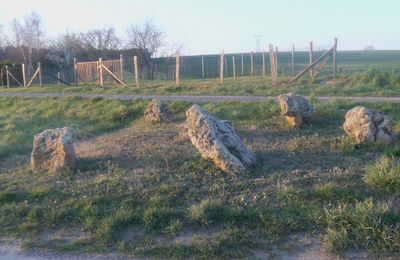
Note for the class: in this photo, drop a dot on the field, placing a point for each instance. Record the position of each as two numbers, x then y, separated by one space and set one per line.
140 192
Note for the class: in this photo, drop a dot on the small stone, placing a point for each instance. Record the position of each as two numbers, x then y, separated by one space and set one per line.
297 109
368 126
53 150
217 141
158 112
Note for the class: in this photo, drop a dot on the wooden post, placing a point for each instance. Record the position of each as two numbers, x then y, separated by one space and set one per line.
310 57
263 63
23 75
272 63
177 69
101 71
221 67
251 64
293 59
121 66
334 58
202 67
233 67
75 72
58 78
276 62
135 65
242 66
8 77
40 74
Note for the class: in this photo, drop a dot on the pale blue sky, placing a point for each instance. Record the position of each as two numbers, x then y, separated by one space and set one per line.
207 26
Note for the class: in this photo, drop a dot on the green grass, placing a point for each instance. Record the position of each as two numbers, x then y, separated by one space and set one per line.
384 175
371 82
139 191
367 225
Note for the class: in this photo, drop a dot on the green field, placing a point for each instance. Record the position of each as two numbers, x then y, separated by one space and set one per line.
139 191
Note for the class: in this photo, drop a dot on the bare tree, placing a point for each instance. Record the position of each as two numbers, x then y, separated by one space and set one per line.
64 48
28 37
99 41
147 38
169 54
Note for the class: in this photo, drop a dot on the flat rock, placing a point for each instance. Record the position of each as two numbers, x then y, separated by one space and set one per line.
158 112
53 150
217 141
368 126
297 109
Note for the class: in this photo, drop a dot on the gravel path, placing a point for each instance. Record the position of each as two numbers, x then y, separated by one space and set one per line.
196 99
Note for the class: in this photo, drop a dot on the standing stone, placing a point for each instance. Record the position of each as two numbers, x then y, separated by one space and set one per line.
158 112
217 141
297 109
53 150
368 126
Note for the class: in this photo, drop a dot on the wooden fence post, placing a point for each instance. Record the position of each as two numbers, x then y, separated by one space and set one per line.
221 67
276 63
40 74
202 67
233 66
58 78
101 71
334 58
177 70
272 63
251 64
8 77
263 63
135 66
293 59
121 66
75 72
310 57
23 75
242 65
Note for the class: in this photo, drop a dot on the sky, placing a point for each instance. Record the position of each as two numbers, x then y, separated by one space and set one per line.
208 26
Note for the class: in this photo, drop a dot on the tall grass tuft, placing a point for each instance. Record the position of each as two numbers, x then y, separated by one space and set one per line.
384 175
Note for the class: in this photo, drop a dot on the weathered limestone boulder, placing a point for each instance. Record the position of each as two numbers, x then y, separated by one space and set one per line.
183 134
53 150
297 109
217 141
368 126
158 112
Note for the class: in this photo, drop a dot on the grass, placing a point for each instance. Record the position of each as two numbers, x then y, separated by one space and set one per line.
384 175
371 82
139 191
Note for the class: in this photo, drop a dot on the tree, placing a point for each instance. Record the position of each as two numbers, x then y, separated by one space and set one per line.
97 42
65 48
147 38
369 48
28 37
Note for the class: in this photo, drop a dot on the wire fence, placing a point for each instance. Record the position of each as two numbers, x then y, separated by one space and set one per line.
203 67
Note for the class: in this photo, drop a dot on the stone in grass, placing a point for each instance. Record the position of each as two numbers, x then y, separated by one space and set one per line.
368 126
53 150
217 141
158 112
297 109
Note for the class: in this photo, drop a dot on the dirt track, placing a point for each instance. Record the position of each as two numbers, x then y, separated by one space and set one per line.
197 99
